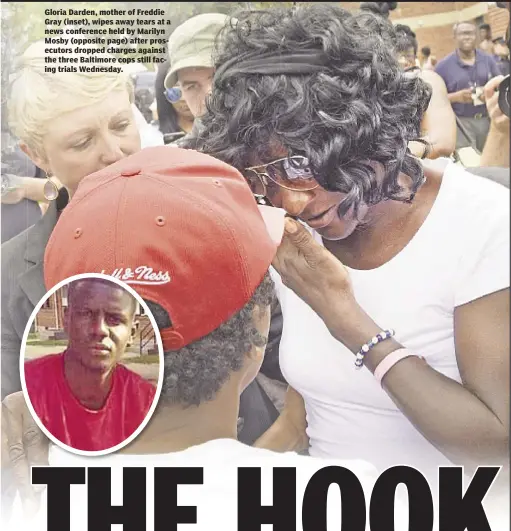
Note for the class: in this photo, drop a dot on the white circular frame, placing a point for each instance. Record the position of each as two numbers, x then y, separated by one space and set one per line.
147 418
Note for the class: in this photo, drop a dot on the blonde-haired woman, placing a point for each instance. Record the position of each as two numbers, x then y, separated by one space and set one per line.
70 125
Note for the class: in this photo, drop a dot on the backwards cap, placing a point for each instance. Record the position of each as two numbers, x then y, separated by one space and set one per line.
179 226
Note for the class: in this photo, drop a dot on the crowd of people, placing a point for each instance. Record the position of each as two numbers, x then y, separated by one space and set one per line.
320 228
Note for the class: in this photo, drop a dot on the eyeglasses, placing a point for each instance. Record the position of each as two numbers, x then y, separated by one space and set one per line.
173 95
291 173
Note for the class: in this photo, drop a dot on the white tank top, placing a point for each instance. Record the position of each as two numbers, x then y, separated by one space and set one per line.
460 253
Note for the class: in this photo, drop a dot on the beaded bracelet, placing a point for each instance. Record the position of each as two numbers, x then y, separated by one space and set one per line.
378 338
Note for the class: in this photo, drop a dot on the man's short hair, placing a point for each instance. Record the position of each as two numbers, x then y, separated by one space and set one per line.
426 51
195 373
485 26
455 27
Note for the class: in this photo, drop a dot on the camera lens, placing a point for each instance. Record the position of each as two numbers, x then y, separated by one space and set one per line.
504 96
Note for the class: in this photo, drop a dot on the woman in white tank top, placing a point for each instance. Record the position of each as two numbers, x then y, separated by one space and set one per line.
400 246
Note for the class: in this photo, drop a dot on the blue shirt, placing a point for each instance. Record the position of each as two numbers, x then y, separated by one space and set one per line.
458 76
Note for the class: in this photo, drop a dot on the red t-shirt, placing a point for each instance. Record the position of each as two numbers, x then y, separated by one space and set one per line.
72 423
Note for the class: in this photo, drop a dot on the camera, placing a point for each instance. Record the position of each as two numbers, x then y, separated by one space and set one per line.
504 96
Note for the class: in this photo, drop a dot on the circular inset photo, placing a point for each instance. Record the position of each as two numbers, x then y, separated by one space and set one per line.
92 364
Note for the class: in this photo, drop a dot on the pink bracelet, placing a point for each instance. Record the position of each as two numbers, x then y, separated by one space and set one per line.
389 361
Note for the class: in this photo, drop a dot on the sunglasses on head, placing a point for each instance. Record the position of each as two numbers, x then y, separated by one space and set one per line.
173 95
291 173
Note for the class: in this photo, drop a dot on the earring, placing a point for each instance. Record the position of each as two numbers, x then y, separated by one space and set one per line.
50 190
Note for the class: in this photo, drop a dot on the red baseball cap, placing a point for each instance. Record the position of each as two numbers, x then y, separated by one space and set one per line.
181 227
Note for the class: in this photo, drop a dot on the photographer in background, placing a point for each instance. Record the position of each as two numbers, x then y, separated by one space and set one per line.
465 72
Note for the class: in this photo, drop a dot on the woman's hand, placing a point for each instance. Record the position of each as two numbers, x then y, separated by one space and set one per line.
15 190
311 271
13 197
30 188
323 282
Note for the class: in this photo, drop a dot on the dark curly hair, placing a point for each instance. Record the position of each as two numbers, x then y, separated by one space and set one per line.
405 38
358 108
378 8
195 373
426 51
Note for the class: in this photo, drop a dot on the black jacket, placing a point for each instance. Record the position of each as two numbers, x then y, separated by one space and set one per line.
22 288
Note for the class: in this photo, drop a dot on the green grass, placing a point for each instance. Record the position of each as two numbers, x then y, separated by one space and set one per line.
47 343
148 359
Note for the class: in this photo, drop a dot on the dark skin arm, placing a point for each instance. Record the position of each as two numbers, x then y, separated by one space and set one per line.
287 433
439 123
469 423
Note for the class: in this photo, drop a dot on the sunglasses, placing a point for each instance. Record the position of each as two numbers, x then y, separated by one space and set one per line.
173 95
291 173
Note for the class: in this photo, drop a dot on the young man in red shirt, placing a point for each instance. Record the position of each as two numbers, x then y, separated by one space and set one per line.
84 397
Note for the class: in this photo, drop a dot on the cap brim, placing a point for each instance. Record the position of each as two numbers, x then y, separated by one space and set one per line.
198 61
274 219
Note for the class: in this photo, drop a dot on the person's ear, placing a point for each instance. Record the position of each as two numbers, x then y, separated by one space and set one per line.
39 160
256 354
252 365
262 317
